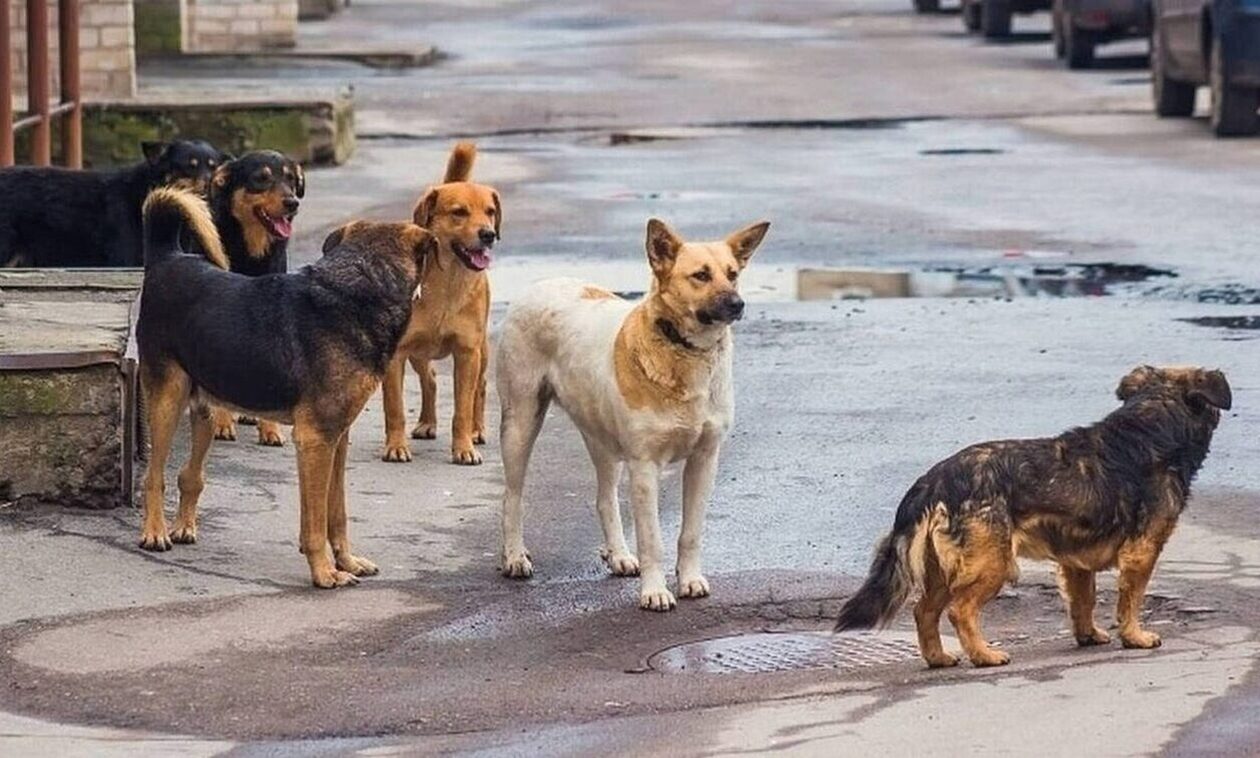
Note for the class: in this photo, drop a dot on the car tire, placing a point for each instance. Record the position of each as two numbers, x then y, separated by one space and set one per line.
1234 109
1173 99
1078 45
995 18
927 6
1056 29
971 15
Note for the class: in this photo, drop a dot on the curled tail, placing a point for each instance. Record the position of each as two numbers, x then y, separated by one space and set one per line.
167 210
459 166
895 572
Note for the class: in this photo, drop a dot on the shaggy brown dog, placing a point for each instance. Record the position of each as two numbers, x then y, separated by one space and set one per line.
1094 498
451 319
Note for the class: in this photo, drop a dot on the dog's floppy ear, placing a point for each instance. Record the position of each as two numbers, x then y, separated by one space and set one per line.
423 214
153 151
300 180
1134 381
744 242
422 241
1212 388
498 215
334 239
662 246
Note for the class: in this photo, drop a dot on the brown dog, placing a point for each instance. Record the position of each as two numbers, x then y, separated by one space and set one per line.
451 318
1094 498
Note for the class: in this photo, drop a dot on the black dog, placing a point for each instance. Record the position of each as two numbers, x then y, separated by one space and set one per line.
307 349
254 199
64 218
1098 497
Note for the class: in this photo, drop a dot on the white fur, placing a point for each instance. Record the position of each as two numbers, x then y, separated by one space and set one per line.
557 343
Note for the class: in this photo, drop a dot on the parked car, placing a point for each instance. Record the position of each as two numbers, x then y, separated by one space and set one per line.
1212 42
992 18
1079 26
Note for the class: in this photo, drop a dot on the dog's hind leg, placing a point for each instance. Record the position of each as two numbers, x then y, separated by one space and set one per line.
316 454
976 572
1078 589
426 425
927 618
615 552
396 448
269 434
645 482
166 390
224 424
525 405
338 530
192 479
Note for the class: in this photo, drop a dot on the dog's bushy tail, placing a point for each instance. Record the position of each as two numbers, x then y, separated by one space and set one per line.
893 575
167 211
459 166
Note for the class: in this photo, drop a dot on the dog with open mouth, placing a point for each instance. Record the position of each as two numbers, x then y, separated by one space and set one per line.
453 316
254 200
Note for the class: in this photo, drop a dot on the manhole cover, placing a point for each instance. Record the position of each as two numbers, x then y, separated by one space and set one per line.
776 651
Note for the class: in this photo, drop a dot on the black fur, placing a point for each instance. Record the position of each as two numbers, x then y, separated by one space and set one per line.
256 172
1089 485
58 217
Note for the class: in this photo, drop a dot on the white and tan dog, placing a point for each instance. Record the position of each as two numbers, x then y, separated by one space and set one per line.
646 383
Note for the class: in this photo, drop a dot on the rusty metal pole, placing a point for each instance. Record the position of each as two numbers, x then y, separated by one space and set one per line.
6 86
37 80
72 122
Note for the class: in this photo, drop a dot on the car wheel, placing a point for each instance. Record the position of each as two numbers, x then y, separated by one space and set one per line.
927 6
971 15
995 18
1234 109
1056 29
1078 45
1172 98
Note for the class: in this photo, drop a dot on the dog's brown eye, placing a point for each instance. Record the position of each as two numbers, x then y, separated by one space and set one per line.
459 212
732 275
702 275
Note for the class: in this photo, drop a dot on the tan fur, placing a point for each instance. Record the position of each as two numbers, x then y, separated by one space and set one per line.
652 373
450 319
197 215
257 238
591 292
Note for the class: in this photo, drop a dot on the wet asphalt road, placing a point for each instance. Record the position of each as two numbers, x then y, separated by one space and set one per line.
870 137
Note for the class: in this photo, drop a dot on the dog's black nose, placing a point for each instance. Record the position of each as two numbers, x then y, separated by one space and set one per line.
730 307
486 235
291 204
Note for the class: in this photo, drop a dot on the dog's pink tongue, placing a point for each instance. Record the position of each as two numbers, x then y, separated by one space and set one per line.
479 258
283 227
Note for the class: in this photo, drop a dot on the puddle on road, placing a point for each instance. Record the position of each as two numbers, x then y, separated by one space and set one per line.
783 283
1236 328
962 151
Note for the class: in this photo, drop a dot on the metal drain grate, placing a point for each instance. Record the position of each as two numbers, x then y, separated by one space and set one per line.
769 652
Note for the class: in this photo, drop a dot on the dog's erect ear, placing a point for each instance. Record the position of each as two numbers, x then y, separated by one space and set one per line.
1212 388
498 215
744 242
300 180
423 214
153 151
662 246
221 175
334 239
1134 381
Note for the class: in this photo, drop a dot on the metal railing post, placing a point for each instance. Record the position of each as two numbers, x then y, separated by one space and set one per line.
72 122
6 86
37 81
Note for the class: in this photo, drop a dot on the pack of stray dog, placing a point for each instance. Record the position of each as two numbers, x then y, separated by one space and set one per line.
225 329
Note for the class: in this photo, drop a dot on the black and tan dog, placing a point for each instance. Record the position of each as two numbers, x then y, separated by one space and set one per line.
64 218
1094 498
254 199
306 349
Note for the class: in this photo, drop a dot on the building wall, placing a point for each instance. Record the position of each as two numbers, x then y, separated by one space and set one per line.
238 25
107 59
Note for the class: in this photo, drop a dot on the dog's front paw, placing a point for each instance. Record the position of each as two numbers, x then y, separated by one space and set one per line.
184 534
269 435
989 657
620 563
693 586
155 539
517 565
424 430
247 420
330 578
656 599
943 660
225 430
356 565
466 456
1141 639
479 437
1095 637
396 452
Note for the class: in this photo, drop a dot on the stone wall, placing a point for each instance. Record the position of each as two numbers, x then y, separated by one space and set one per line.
107 63
238 25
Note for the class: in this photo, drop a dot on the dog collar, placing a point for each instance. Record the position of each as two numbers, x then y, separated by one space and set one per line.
667 328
